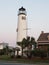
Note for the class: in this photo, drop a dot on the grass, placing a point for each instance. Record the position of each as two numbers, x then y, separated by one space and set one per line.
24 60
32 61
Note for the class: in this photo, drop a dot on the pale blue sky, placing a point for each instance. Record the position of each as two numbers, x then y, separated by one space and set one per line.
37 18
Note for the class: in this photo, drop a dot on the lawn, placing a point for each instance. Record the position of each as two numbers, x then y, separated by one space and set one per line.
24 60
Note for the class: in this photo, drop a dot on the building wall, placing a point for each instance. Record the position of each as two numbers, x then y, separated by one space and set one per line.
22 25
43 46
3 45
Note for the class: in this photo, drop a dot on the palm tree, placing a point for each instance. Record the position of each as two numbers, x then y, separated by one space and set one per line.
29 42
33 42
17 49
22 44
6 50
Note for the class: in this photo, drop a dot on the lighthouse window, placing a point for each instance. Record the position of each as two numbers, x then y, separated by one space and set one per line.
23 18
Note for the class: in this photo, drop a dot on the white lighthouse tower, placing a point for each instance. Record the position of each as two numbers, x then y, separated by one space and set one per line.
22 25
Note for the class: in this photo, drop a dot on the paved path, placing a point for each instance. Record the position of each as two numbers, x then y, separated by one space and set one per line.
11 63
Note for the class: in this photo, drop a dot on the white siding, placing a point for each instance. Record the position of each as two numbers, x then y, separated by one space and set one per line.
1 46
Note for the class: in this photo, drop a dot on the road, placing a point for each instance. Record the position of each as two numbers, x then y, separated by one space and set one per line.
14 63
7 63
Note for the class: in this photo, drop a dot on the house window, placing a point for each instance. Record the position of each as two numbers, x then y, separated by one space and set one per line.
23 18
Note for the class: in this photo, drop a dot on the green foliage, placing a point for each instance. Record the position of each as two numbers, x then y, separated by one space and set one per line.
27 43
39 53
1 52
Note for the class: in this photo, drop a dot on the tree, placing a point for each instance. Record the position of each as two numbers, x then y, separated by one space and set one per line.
6 50
17 49
28 42
22 44
33 42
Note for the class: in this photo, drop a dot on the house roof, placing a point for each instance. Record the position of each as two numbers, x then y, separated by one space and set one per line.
43 37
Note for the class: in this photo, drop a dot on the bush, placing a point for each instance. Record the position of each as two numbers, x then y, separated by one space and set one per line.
39 53
1 52
18 56
12 54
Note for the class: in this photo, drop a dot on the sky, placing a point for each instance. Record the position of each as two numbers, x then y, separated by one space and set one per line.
37 18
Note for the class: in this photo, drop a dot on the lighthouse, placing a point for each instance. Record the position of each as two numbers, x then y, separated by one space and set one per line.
22 24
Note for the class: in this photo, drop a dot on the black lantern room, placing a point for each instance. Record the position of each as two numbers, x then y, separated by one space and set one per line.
22 11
